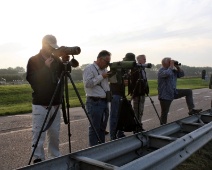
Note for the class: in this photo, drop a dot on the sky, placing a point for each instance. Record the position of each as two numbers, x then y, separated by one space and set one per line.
180 29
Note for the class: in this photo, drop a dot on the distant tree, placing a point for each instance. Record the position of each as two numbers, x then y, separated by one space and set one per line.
83 66
20 69
76 74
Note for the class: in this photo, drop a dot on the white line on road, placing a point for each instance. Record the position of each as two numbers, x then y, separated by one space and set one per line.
61 144
23 115
146 120
180 109
29 129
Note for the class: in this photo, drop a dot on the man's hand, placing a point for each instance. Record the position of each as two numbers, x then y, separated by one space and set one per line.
105 75
49 61
171 64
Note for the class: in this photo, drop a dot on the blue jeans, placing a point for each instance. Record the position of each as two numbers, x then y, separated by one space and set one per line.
98 113
114 134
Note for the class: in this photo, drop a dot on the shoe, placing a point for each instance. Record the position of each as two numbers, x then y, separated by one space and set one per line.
106 132
37 160
194 111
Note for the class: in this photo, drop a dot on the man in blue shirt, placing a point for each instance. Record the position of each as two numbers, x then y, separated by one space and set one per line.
167 92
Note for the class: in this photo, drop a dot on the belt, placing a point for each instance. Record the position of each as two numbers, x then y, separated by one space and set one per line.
97 98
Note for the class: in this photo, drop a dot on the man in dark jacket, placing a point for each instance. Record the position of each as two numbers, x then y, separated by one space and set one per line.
43 71
139 87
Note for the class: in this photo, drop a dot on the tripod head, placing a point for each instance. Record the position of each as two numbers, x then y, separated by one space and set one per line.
73 63
69 64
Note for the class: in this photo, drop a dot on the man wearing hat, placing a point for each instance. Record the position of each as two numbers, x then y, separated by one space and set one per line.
117 93
43 71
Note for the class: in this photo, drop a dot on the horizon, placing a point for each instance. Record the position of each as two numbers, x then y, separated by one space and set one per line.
178 29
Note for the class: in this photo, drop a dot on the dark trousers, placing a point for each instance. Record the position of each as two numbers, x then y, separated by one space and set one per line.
165 104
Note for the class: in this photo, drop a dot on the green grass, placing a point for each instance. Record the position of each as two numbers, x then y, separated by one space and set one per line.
16 99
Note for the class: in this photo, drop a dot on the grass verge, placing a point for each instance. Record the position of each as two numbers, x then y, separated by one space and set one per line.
16 99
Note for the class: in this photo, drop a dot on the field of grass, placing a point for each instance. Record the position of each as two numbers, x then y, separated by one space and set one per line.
16 99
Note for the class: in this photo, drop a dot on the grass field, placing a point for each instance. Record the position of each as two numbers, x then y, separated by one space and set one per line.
16 99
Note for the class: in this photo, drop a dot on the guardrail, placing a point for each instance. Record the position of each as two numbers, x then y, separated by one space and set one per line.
162 148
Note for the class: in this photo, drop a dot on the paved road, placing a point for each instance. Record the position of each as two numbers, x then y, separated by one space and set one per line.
15 131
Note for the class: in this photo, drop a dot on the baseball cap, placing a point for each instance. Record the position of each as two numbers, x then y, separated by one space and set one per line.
51 40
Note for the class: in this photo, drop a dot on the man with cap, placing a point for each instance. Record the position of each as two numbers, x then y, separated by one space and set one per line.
43 71
118 92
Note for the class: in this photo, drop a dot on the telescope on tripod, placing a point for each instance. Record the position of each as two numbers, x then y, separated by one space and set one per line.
65 66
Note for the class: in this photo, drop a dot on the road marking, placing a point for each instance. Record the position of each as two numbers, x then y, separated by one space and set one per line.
196 93
146 120
61 144
180 109
208 96
182 98
30 128
23 115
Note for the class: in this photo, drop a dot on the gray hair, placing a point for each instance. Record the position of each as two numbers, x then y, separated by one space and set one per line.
165 60
139 56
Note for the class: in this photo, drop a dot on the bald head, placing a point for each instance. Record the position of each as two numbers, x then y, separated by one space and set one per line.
166 62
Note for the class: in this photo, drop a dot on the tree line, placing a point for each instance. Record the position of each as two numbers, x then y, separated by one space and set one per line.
18 74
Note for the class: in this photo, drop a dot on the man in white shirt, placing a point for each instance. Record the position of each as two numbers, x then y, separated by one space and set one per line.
95 79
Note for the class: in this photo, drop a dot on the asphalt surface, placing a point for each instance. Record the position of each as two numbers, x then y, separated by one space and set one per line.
15 131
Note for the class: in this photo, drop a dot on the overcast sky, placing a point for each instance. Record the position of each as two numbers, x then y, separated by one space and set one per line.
181 29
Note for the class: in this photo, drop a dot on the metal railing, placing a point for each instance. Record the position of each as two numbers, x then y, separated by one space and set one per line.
164 147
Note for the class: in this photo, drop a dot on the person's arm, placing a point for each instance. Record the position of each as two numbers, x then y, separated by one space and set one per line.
35 70
163 73
180 72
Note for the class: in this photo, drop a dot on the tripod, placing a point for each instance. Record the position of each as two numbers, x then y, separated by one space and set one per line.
145 89
127 121
63 82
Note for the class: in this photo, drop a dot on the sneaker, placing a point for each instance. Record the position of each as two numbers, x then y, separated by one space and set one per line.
37 160
194 111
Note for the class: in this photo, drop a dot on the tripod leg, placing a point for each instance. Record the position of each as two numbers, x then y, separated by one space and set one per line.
83 106
137 110
68 106
154 107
